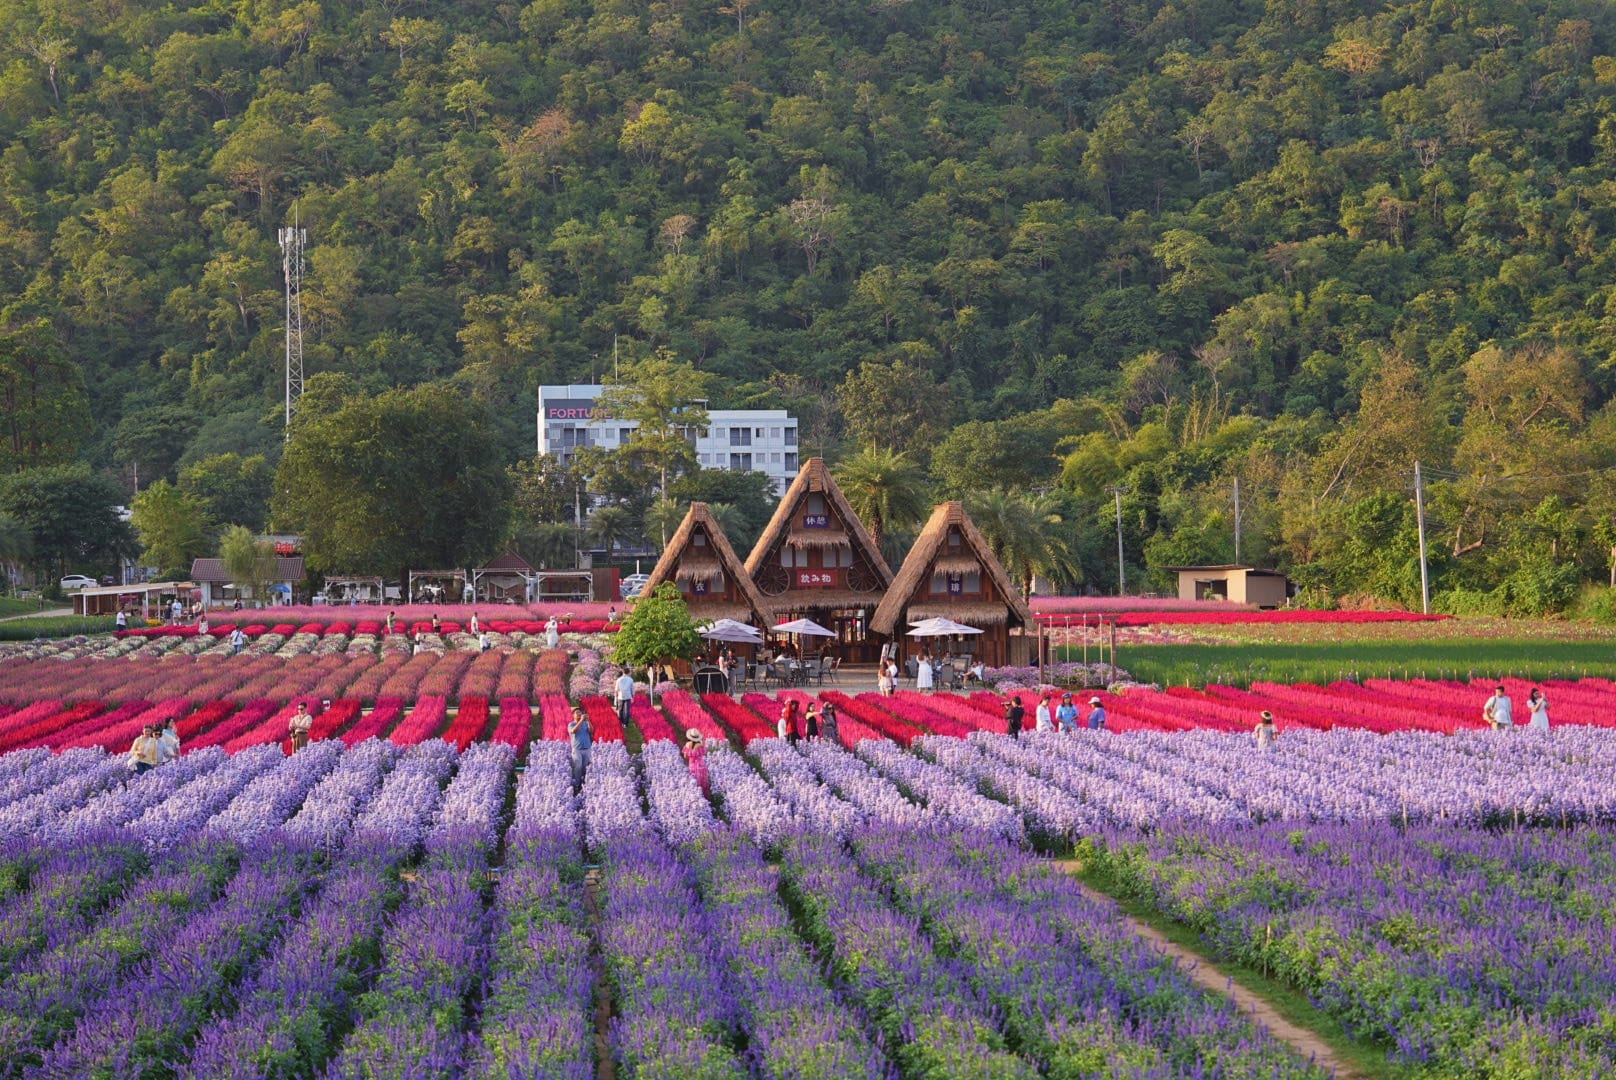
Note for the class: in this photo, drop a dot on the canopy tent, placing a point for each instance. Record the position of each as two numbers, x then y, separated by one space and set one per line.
803 626
941 627
736 632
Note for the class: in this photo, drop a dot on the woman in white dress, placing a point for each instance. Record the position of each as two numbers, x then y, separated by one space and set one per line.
1539 706
923 672
552 633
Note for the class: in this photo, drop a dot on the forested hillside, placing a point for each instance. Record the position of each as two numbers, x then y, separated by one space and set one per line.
1039 245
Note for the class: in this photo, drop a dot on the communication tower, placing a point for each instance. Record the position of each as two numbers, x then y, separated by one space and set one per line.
293 239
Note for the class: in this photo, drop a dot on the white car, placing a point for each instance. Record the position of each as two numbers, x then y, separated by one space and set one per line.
632 585
76 581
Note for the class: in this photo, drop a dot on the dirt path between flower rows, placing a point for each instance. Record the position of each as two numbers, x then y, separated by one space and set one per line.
49 613
605 1065
1206 974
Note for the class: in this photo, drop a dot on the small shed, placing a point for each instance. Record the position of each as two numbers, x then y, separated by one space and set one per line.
148 599
218 590
507 579
1237 584
438 587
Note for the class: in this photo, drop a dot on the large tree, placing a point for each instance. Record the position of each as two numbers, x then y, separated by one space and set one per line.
886 489
250 562
408 478
71 514
44 414
665 398
172 525
232 489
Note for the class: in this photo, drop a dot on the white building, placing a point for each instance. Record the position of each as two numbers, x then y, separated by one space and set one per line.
749 440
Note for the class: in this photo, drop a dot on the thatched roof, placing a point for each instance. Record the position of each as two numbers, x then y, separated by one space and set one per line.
929 549
815 477
818 538
682 560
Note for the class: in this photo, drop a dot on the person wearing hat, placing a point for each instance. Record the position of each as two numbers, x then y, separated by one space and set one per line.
827 721
300 726
146 752
1043 719
1013 713
695 751
1096 715
1066 715
1266 732
581 733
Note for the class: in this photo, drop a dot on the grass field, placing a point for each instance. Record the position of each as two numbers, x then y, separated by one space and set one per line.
1240 664
53 627
11 605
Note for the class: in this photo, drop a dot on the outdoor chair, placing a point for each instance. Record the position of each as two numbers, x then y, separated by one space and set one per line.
815 670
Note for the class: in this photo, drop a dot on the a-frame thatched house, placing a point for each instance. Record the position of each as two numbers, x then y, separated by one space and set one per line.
951 571
712 578
816 560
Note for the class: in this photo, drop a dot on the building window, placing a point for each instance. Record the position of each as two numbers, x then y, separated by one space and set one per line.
740 462
625 434
774 433
775 457
788 557
814 503
758 433
763 463
791 463
718 433
791 436
740 436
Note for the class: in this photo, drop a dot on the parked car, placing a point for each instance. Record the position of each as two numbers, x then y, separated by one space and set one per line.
631 585
76 581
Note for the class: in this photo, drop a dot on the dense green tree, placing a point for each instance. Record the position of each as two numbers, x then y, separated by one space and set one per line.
172 527
250 562
42 398
70 513
657 629
664 398
885 488
231 488
381 484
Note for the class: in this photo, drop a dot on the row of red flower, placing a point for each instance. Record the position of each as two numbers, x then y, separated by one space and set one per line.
372 627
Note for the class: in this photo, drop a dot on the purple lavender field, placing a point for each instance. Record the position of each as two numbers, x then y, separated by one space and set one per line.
379 911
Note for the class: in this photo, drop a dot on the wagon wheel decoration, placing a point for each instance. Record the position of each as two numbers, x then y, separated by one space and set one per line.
772 580
862 579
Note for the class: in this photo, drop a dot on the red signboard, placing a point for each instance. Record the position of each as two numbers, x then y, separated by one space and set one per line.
283 549
816 579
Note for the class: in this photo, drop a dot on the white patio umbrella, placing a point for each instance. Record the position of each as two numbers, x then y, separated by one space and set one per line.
732 631
941 626
804 626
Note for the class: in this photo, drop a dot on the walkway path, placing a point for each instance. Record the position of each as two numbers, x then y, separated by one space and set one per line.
50 613
1207 975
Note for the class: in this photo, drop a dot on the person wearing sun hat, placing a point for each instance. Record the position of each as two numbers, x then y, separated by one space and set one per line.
695 751
1096 715
1266 732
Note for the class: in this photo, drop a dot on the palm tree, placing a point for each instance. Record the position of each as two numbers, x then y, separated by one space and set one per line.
608 526
885 488
661 518
550 545
729 519
1029 535
16 544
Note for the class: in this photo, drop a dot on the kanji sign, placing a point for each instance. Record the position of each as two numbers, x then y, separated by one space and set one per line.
816 521
816 579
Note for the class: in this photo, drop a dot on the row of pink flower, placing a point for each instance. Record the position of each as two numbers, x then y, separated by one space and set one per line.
1077 605
1232 617
400 626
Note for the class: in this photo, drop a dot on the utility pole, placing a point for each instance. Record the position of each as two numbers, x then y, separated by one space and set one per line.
1122 576
293 240
1237 519
1419 515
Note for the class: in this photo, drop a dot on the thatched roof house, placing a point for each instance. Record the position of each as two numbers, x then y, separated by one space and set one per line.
815 554
700 560
951 571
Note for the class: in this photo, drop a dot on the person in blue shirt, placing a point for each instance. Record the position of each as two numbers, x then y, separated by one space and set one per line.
1066 715
582 734
1096 715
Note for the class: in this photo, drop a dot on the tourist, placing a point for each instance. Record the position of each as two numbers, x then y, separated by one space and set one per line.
176 612
476 627
552 633
1538 706
122 621
582 734
884 679
827 722
1096 715
976 673
625 695
1044 718
923 674
390 616
202 626
1266 732
611 613
238 641
301 724
168 742
1499 712
237 605
146 753
725 670
787 726
437 624
811 723
1014 711
482 641
695 751
1066 715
